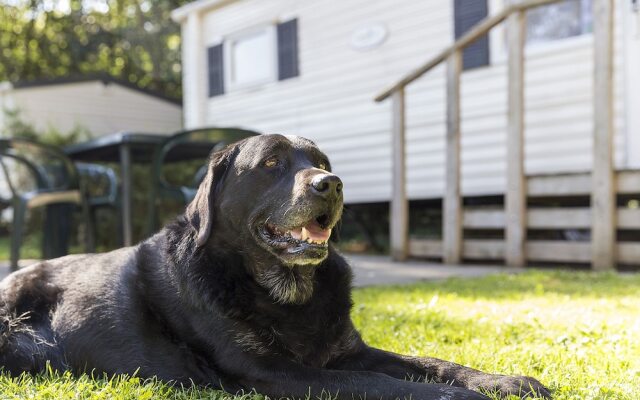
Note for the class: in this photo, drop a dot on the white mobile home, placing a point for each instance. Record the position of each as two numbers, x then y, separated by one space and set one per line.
313 68
101 105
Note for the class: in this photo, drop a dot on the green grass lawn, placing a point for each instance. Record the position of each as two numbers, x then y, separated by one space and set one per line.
30 248
578 333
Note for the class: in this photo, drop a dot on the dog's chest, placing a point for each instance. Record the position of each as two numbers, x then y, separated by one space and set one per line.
306 337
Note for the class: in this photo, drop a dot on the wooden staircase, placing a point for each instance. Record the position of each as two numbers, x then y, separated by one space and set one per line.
559 218
601 186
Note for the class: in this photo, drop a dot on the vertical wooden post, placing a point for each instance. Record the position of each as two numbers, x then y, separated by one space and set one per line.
127 212
399 218
516 195
603 194
193 71
452 210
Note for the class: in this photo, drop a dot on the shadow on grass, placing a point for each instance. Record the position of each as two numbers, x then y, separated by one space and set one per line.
528 284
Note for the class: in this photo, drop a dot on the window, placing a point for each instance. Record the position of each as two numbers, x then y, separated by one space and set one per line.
559 21
251 58
254 57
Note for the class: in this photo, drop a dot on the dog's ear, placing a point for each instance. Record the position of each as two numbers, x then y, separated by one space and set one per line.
200 211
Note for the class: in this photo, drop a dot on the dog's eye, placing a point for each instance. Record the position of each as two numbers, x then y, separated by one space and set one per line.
322 166
271 162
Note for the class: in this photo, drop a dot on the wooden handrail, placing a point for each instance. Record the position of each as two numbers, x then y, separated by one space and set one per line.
472 35
603 196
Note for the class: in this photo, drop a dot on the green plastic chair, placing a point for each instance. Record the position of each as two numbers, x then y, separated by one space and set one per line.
193 146
38 175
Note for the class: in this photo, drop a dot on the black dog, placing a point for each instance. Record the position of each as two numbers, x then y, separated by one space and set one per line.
242 292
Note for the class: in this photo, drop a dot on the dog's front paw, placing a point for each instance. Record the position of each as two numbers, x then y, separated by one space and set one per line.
505 386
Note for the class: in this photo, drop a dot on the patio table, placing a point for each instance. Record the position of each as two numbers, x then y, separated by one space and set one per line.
128 148
125 148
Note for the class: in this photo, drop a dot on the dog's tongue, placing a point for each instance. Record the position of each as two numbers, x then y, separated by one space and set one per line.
316 233
312 231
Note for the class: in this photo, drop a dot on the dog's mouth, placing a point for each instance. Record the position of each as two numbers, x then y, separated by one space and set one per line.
307 243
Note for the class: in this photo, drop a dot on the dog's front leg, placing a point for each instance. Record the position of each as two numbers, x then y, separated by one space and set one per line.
285 379
405 367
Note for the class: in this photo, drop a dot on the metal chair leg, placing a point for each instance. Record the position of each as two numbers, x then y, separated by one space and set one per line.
152 212
90 229
88 215
19 216
118 213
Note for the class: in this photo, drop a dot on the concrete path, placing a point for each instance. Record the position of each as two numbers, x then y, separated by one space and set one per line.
380 270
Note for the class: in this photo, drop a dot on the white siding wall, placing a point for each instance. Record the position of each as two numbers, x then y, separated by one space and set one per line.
331 101
102 109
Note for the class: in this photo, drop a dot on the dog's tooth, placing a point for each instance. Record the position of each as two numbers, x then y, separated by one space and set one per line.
304 234
296 234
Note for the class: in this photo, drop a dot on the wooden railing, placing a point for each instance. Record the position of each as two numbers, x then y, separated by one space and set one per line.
603 191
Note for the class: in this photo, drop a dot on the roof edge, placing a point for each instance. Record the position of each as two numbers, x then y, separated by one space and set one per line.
103 78
180 14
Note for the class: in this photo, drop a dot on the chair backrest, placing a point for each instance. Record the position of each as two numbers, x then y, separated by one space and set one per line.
30 166
194 147
100 183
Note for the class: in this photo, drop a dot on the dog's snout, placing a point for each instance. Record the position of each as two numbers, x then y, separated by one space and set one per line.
326 185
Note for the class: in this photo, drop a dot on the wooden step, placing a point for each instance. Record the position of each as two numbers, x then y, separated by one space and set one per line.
546 218
537 250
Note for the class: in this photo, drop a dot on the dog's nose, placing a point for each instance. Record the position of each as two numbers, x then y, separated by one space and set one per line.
326 185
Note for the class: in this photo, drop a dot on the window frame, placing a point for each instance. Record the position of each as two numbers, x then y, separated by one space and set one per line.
228 61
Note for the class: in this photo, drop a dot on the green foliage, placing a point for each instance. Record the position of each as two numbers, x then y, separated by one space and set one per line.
16 126
134 40
576 332
30 249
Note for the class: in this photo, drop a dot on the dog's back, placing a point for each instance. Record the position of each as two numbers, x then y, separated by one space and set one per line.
30 300
92 313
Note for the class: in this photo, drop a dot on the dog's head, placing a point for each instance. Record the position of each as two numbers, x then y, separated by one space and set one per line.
271 198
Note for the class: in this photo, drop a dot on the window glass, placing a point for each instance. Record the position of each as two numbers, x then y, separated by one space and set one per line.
252 58
559 20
